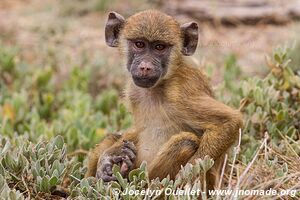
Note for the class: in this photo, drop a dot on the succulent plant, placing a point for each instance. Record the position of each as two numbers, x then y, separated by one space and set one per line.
46 132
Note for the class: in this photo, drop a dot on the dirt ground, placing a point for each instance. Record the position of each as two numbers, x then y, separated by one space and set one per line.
64 33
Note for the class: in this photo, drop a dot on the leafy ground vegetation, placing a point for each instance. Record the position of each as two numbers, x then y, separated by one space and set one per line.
46 132
53 110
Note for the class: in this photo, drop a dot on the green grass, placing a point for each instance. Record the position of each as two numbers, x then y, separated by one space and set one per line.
48 125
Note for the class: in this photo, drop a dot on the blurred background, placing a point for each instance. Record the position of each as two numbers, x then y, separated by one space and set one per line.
60 88
56 66
62 34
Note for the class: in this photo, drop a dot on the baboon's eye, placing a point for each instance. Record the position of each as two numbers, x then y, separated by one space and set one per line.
139 44
160 47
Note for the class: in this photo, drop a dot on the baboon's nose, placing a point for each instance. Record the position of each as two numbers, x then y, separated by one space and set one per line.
145 68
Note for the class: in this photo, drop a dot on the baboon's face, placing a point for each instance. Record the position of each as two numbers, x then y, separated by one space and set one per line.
147 61
152 41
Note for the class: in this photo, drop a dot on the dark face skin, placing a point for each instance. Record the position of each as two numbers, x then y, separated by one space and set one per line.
147 61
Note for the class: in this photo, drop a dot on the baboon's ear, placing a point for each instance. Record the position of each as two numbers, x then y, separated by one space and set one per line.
190 38
113 27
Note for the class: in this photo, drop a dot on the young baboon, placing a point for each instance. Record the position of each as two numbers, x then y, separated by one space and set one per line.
176 117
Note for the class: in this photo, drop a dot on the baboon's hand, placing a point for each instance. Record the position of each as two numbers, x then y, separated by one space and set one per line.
124 157
128 157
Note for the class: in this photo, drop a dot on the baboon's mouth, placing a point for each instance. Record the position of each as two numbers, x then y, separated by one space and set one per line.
145 82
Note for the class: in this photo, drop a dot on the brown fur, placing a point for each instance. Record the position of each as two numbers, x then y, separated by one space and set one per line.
151 24
178 120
